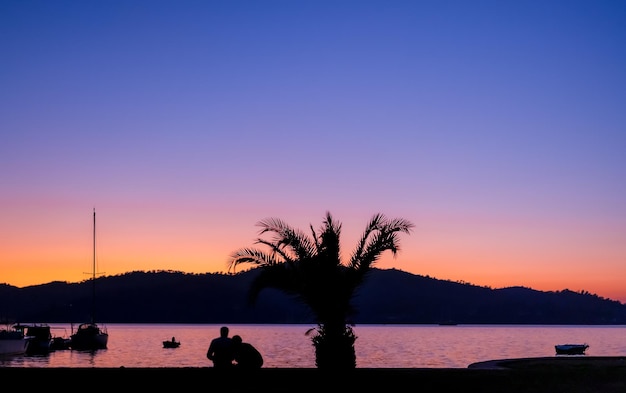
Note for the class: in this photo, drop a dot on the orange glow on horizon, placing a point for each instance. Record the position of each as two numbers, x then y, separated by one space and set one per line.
33 268
538 256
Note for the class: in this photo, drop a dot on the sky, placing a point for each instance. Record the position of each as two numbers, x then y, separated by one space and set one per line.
498 128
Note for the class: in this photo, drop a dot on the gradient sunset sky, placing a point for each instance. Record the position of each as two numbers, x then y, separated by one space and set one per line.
497 127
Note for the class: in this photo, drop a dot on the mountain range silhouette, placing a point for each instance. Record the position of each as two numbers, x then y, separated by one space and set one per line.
388 296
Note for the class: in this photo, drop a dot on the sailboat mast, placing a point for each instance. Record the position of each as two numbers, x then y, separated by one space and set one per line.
93 279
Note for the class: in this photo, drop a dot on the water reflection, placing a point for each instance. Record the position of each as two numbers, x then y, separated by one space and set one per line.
396 346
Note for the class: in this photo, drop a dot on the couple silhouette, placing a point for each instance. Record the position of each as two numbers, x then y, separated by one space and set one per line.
227 352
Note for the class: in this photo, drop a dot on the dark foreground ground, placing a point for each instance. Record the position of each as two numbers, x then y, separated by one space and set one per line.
537 375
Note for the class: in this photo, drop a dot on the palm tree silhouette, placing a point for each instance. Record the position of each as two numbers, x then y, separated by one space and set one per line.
310 269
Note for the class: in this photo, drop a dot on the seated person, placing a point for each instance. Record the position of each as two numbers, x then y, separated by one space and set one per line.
246 355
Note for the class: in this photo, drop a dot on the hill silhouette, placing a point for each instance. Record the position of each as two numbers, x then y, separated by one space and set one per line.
388 296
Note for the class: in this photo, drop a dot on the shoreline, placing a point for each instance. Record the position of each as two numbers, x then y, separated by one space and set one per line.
554 374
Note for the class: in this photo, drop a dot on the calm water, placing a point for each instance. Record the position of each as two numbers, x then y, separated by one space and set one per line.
401 346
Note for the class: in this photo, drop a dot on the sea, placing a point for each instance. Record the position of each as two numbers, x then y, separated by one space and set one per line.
377 346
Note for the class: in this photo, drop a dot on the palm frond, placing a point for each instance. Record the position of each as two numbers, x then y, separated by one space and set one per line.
287 237
400 225
373 225
278 250
252 256
380 235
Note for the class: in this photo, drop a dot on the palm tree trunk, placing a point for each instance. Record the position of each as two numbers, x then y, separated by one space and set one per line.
334 347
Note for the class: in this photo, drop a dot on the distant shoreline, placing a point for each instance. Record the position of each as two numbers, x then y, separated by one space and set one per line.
388 296
554 374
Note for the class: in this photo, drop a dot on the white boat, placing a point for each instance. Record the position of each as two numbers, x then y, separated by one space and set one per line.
12 341
90 336
571 349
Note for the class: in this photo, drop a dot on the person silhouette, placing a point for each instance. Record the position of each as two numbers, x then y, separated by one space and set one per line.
220 350
246 356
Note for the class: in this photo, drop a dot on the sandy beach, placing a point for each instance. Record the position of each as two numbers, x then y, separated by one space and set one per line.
554 374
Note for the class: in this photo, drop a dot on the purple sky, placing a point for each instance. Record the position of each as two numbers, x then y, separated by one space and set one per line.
497 127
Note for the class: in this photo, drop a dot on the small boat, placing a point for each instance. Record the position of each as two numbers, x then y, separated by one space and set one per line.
171 343
571 349
12 341
60 343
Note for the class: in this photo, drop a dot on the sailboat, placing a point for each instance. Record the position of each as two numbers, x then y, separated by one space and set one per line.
90 336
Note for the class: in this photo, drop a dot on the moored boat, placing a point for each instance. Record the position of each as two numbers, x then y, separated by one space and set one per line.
60 343
90 336
38 338
571 349
12 341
